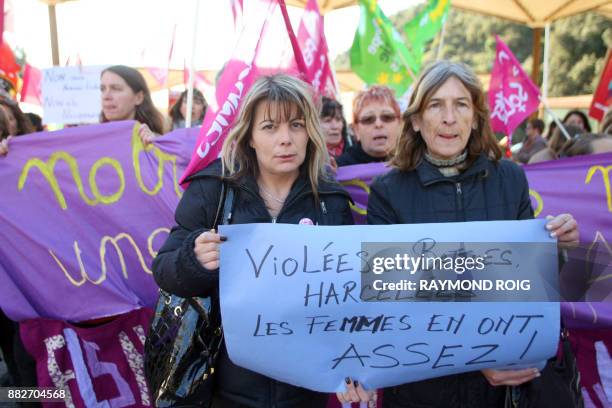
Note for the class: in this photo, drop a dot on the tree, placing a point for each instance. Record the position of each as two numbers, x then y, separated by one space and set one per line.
578 46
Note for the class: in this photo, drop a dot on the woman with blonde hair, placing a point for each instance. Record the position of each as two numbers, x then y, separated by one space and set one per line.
448 168
274 160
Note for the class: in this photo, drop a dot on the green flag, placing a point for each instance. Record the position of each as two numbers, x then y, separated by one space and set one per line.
378 54
425 25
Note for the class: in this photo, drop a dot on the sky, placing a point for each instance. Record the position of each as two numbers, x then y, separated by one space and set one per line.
139 32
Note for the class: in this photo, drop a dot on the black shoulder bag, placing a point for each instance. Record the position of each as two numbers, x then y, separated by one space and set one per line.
184 340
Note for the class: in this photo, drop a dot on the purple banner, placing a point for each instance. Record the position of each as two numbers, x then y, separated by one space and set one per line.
82 214
581 186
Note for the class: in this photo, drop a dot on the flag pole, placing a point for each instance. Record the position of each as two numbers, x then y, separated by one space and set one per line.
546 66
192 66
441 43
297 51
556 119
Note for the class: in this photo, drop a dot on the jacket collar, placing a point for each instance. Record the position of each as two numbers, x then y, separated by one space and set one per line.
429 174
362 157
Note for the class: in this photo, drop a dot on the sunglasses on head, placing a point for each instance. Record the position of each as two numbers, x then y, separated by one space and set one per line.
384 118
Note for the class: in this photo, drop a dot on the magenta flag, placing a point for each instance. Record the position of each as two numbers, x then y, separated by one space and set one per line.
1 20
264 48
311 38
512 94
100 366
31 89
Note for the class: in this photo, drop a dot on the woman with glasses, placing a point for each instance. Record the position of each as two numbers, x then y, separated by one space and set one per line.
376 123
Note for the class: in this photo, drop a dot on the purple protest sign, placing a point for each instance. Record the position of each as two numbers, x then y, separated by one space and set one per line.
83 212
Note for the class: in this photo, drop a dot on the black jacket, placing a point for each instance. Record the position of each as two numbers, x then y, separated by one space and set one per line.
177 270
356 155
485 191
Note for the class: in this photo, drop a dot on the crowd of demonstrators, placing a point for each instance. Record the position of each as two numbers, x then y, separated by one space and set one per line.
274 159
533 143
178 112
126 96
376 123
334 127
447 149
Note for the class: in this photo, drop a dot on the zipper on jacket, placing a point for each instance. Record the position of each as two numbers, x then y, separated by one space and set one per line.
273 393
459 197
273 220
323 208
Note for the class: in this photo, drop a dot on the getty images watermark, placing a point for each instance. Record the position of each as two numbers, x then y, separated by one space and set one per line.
462 272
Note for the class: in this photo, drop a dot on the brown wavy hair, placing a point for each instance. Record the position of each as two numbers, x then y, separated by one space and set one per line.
411 146
146 112
24 126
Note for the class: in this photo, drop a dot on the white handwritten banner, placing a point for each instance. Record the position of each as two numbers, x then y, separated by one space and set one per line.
292 309
71 95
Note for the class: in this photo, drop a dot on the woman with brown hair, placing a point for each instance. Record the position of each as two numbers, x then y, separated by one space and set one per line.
178 112
447 168
18 123
126 96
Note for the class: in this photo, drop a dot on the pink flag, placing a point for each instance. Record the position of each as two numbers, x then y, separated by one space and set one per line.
1 20
512 95
311 37
263 48
31 90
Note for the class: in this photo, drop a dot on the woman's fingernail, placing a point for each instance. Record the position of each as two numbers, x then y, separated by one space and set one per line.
552 234
347 380
356 383
223 238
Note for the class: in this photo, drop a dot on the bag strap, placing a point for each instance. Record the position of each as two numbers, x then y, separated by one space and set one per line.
228 205
223 215
220 207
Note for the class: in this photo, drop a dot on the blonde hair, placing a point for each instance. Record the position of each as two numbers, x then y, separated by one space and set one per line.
239 158
411 146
